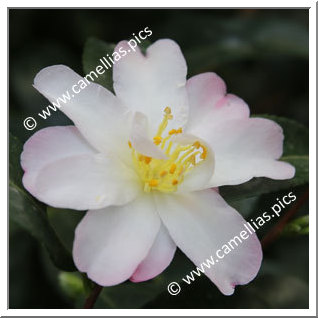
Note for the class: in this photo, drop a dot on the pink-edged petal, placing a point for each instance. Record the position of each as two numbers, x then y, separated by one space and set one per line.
210 105
48 145
152 82
140 139
205 90
201 223
88 181
110 243
245 149
158 258
95 111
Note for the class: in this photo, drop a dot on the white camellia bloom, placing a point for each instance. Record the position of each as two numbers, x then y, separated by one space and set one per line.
143 162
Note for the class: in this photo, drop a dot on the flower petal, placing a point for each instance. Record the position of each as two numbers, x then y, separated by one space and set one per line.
200 223
140 139
245 149
209 104
95 111
85 182
110 243
150 83
48 145
158 258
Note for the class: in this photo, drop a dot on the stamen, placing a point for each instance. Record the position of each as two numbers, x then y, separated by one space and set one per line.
175 131
165 175
173 168
186 154
157 140
204 152
164 141
192 159
147 159
153 182
169 148
164 122
167 110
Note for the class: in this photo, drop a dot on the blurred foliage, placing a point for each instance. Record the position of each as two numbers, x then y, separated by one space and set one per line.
299 226
71 284
262 56
95 49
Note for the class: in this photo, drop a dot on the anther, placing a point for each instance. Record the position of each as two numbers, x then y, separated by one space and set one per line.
173 168
174 182
153 182
175 131
203 155
147 159
163 173
179 130
157 140
167 110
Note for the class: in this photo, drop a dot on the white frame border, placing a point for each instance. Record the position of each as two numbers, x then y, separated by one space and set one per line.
312 129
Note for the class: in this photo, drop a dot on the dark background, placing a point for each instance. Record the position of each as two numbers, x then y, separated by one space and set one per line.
261 54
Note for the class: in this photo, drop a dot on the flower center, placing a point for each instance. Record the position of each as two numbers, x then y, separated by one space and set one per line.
165 175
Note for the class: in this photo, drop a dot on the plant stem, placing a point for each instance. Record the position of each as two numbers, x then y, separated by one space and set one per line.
91 299
278 228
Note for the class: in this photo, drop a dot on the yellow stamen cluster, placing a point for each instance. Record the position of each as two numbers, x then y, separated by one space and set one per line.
166 174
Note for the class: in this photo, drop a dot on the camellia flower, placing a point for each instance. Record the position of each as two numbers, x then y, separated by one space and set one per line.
146 163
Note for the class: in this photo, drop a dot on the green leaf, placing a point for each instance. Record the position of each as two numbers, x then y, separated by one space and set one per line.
299 226
64 222
144 45
71 284
94 50
301 163
31 214
295 152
